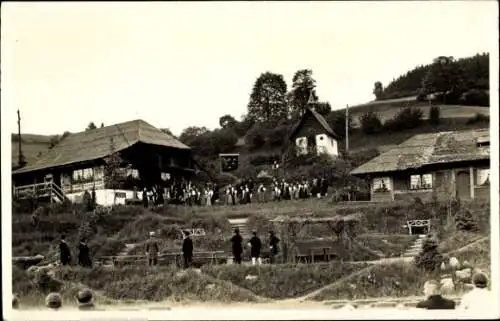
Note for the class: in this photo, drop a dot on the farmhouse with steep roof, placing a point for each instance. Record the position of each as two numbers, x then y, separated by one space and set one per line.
443 165
313 135
77 163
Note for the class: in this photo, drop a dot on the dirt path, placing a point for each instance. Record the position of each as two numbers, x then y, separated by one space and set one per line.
331 285
466 247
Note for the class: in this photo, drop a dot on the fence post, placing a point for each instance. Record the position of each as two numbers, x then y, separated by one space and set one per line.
50 194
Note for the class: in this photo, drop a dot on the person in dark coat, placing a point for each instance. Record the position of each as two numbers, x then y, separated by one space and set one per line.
84 254
187 250
237 247
255 245
64 251
273 247
145 201
434 299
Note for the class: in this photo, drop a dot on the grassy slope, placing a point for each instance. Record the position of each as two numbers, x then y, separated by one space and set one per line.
404 279
32 146
387 110
283 281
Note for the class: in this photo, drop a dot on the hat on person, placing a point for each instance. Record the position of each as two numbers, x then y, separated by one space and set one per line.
151 233
53 300
84 296
480 280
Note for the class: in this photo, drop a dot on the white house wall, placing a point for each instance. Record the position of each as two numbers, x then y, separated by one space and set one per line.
326 145
105 197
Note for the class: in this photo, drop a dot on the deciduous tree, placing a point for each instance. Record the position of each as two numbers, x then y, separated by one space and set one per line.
268 99
227 121
91 126
445 78
113 174
303 88
378 91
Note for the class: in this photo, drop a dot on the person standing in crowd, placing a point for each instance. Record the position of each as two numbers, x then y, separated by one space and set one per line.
145 198
64 251
273 247
187 250
152 249
479 297
84 254
434 299
255 245
236 241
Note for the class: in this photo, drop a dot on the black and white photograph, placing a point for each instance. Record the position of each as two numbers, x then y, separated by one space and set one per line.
250 160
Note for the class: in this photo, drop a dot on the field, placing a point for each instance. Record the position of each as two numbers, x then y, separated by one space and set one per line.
389 108
32 145
108 233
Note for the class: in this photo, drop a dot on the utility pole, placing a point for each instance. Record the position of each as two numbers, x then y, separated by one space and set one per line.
21 160
347 128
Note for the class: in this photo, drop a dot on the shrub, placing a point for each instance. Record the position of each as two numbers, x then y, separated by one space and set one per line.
434 115
406 118
370 123
478 118
278 136
429 259
264 159
256 137
475 97
139 283
465 221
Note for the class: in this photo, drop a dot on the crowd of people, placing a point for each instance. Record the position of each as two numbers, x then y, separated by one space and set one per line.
181 192
237 246
245 192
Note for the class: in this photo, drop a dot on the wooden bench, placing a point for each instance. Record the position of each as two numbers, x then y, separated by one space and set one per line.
174 257
326 252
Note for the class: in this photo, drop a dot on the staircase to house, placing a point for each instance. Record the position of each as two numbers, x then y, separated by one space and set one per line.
48 190
241 224
415 248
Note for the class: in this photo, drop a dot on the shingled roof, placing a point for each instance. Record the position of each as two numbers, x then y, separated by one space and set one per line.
428 149
321 120
95 144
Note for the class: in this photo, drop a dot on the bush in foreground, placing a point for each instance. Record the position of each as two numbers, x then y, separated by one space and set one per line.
392 280
155 284
283 281
429 258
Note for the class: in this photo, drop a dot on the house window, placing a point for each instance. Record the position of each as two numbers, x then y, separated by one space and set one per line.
381 184
98 173
421 181
482 176
83 174
134 173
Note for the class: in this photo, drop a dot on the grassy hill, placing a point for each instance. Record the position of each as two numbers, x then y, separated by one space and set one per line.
33 146
387 109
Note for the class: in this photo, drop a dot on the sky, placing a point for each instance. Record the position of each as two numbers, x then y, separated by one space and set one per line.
184 64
